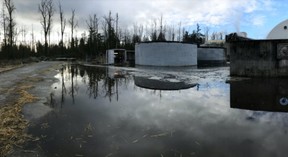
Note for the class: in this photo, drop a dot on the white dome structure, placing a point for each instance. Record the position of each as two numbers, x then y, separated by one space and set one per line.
280 31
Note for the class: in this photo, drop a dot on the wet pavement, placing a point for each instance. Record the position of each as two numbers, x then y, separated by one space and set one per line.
34 73
116 111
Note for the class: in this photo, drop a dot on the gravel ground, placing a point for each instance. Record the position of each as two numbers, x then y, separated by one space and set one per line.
40 75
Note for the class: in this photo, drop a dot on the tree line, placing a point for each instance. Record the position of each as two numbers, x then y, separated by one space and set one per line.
91 44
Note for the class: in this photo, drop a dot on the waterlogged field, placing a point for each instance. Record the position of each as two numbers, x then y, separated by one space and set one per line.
114 111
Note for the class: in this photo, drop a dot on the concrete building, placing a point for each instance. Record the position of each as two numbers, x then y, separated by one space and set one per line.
259 58
165 54
280 31
210 56
120 56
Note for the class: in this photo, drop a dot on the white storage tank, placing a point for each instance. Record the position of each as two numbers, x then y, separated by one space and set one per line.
165 54
209 56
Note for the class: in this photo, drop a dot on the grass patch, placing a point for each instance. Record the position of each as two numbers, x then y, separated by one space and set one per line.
13 125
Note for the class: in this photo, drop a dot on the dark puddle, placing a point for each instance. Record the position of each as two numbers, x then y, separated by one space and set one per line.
110 112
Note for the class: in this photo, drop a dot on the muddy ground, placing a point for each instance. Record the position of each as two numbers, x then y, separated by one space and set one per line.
24 90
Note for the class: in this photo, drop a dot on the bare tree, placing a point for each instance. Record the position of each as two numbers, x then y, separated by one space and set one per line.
220 35
116 33
46 8
4 24
141 31
23 32
207 29
214 36
171 33
179 32
154 30
137 33
32 39
63 25
110 34
93 25
73 25
161 36
11 24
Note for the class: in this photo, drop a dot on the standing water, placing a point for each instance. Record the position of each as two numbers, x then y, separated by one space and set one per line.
110 111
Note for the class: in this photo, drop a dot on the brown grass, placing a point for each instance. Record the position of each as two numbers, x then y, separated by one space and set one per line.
13 125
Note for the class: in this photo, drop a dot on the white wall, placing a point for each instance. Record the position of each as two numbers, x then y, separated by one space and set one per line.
165 54
211 54
110 56
278 32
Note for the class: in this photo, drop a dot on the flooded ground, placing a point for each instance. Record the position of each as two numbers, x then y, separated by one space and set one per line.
110 111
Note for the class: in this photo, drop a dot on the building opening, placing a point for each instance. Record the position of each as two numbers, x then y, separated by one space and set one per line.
119 56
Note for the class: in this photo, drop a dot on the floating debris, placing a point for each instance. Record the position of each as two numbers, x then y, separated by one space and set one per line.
160 135
44 126
89 128
110 154
196 142
135 141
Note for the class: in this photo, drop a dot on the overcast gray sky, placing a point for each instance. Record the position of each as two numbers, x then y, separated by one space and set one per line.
256 17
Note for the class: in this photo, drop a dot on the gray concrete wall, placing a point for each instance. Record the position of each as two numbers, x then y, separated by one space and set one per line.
211 56
165 54
259 58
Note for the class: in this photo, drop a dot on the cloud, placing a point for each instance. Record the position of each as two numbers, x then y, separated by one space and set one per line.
213 13
258 20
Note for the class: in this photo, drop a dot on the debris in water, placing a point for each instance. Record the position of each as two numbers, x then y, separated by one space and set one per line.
110 154
135 141
89 128
197 143
45 126
160 135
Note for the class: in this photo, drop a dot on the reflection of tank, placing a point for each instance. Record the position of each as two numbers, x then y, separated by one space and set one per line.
259 94
161 84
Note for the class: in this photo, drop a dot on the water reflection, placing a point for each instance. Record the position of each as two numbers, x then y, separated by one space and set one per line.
109 115
99 82
105 82
161 83
260 94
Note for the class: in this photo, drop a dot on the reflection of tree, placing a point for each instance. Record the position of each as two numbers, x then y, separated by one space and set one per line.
99 77
63 88
73 72
100 82
108 86
68 73
95 75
